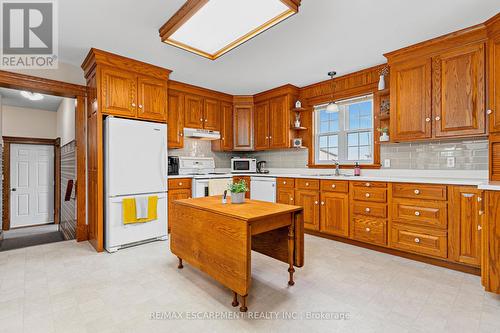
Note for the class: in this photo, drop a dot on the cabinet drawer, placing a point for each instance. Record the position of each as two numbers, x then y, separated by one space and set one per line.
370 230
424 241
335 186
307 184
369 184
179 183
369 209
420 191
424 213
370 194
285 182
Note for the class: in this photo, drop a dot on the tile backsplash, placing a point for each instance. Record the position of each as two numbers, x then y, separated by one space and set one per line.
468 154
201 148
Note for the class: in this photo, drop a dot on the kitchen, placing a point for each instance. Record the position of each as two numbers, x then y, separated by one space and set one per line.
369 197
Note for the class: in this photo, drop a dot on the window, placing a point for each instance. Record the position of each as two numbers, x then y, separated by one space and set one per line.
345 136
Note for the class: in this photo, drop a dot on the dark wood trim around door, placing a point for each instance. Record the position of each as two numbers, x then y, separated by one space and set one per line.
79 92
7 142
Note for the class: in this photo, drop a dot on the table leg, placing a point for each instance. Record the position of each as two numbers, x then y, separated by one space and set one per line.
243 307
180 264
235 299
291 243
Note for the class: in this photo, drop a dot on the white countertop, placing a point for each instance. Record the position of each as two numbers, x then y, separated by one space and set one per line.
453 177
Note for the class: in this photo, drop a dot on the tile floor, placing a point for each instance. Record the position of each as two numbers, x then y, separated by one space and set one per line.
67 287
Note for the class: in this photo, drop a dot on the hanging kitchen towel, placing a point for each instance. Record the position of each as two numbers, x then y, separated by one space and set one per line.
141 207
217 186
129 210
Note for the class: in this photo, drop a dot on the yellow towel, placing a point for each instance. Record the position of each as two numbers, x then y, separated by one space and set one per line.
130 215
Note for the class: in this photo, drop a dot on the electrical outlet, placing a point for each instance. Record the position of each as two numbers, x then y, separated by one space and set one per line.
387 163
450 162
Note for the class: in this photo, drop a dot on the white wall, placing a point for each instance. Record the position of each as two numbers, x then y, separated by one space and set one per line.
65 72
32 123
66 121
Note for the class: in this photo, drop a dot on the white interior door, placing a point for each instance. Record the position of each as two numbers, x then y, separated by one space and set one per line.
31 184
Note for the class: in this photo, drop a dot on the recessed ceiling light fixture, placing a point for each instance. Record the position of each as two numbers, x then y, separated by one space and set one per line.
211 28
32 96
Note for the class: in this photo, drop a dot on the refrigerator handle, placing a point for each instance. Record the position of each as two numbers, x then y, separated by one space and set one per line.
163 162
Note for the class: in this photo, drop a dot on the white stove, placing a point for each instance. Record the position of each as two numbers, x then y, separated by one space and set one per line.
202 169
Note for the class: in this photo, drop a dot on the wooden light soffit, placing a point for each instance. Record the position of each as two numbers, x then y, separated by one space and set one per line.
191 7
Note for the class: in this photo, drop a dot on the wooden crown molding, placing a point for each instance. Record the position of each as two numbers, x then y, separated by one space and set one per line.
191 7
465 36
188 88
41 85
99 57
287 89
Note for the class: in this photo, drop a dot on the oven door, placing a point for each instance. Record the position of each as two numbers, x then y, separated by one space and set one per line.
200 188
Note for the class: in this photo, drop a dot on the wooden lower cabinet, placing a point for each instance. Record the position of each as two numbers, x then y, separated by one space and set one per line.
334 214
309 200
369 230
465 227
178 189
490 265
246 179
419 240
285 196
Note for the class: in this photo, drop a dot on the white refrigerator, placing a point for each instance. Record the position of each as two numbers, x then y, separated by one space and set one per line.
135 162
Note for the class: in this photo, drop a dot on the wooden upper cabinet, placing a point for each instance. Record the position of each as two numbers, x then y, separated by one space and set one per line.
152 99
119 92
458 99
227 126
335 213
279 120
175 119
494 83
211 114
243 127
193 111
261 127
411 100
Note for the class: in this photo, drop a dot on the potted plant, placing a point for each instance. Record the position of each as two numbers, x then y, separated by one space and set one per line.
384 137
238 191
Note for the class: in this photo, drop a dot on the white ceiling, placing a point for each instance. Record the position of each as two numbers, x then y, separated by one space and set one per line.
341 35
12 97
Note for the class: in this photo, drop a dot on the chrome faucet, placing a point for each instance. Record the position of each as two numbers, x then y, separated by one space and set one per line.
337 169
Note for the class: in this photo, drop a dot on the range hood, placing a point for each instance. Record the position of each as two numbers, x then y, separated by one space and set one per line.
201 134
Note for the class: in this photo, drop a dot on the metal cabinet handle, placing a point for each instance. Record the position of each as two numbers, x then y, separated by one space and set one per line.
334 186
417 240
428 120
479 199
284 183
367 210
307 184
438 118
201 119
180 184
291 199
368 229
368 184
481 212
367 195
181 134
417 192
315 202
479 228
140 106
133 105
417 213
322 203
489 112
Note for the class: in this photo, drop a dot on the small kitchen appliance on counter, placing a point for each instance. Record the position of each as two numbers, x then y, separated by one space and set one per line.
243 165
173 165
261 167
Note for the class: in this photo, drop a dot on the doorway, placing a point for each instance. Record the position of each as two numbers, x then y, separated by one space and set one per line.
31 185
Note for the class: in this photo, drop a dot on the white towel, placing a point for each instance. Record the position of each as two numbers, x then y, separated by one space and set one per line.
218 186
141 207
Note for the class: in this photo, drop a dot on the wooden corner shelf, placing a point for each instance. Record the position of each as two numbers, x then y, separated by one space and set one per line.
298 109
299 128
386 91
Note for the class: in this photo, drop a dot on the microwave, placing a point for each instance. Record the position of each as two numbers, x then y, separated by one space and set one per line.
243 165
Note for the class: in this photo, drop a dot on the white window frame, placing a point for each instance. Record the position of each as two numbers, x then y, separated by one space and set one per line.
342 133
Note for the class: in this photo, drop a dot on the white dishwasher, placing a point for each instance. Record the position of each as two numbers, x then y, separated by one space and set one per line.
263 188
